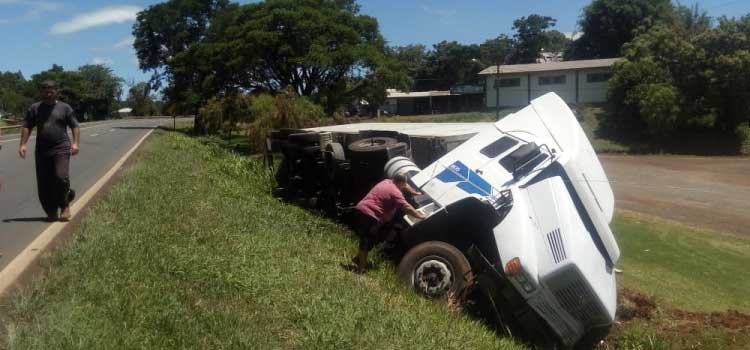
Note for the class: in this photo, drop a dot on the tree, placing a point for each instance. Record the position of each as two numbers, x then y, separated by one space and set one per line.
321 48
691 20
140 100
531 37
164 31
496 51
14 93
608 24
668 83
452 63
100 90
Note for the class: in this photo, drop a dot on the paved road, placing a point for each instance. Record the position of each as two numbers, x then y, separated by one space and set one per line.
21 215
711 192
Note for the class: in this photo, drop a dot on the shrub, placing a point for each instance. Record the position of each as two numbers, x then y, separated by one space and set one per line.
224 114
281 111
743 137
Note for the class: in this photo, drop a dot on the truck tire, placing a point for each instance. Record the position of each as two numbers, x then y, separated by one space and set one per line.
436 270
372 144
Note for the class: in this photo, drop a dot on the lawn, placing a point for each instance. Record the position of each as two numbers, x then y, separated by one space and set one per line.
189 250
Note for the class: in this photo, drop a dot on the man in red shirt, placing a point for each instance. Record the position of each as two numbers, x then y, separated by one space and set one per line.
377 209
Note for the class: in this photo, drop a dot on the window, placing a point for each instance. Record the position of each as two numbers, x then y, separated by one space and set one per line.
552 80
498 147
507 82
598 77
523 159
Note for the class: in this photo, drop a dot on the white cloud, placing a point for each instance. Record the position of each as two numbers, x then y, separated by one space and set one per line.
444 14
101 17
35 10
124 43
102 61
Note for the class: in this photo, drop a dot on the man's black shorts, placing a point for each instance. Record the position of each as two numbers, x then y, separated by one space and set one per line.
368 230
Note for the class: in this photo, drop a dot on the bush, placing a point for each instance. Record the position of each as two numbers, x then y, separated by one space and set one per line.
743 138
226 113
281 111
660 108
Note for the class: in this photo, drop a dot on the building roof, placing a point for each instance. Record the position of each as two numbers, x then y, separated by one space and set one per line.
549 66
393 93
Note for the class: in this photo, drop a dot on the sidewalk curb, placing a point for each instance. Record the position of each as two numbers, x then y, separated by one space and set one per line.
21 263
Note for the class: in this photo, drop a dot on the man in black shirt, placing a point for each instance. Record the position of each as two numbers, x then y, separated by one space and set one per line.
53 150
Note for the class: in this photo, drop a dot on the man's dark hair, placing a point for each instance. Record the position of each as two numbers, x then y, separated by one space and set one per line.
48 84
399 178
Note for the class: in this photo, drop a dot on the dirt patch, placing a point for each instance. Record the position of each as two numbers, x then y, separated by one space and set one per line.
709 192
675 326
635 305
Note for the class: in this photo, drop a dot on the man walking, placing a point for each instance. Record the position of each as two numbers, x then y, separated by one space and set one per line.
376 210
52 119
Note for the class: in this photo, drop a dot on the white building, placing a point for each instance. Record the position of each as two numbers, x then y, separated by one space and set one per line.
582 81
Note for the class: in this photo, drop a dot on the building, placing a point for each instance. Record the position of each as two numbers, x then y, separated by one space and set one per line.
582 81
461 98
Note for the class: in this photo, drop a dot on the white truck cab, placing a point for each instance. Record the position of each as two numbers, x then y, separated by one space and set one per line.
528 202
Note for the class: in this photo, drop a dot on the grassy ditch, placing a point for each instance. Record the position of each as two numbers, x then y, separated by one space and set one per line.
189 250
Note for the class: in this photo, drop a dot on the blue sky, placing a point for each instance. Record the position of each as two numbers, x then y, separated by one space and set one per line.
34 34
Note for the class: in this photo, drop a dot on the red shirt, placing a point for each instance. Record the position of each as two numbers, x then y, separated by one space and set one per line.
382 201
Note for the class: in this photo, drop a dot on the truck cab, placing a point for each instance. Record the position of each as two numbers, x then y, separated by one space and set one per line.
524 208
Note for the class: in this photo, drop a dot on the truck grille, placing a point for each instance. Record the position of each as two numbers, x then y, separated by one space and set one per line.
556 246
578 300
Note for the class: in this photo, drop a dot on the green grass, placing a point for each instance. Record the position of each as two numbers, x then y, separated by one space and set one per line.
693 269
681 268
189 250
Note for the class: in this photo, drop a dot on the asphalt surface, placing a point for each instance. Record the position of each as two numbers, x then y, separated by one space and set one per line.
21 215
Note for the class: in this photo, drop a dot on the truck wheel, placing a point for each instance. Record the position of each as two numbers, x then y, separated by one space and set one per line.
436 270
372 144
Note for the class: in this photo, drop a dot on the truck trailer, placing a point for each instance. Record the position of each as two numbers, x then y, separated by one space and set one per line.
518 209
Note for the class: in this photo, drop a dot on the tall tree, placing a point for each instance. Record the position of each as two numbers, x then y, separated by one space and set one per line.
608 24
452 63
531 37
165 31
497 51
321 48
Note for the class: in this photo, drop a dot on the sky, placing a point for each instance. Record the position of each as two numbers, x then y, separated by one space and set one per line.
34 34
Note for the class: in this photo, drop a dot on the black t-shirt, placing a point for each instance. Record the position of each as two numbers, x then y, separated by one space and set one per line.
51 122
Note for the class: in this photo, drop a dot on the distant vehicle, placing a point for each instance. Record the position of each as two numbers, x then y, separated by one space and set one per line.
519 208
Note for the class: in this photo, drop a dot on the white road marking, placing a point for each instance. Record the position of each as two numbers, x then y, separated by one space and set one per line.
93 135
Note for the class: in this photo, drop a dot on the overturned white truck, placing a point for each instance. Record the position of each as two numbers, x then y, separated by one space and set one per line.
521 210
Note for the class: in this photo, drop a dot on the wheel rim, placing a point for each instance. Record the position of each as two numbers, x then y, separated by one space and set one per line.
433 276
372 142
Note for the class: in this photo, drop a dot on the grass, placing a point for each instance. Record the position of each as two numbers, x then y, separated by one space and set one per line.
698 280
189 250
693 269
